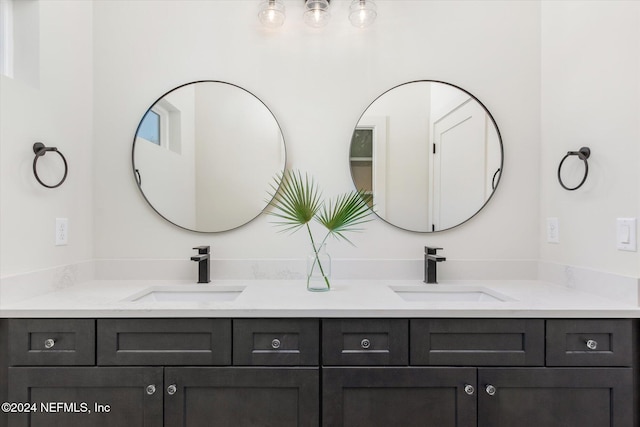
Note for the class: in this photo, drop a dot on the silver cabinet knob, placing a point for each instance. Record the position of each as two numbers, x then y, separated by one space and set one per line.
592 344
49 343
468 388
365 343
151 388
172 389
490 389
275 343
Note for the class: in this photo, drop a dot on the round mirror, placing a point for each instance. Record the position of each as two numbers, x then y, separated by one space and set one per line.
205 154
430 154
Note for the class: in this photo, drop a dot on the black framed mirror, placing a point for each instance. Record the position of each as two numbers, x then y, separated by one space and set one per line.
429 152
205 155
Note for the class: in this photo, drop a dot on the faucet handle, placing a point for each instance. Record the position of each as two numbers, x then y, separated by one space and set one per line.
202 249
431 250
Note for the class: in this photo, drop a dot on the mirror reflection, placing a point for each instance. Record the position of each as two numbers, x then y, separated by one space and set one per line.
429 153
205 154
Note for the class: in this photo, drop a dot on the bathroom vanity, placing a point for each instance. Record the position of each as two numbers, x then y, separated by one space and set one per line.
369 366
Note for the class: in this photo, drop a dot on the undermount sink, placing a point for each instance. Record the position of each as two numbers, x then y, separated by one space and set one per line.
188 293
456 293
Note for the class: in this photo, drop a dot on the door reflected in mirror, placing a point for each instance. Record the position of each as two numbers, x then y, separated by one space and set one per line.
205 154
429 153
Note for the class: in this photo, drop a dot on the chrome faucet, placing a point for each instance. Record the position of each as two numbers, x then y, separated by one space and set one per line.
431 260
204 263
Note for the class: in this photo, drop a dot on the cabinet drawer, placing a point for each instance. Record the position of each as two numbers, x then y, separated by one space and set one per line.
365 342
275 342
39 342
477 342
592 342
164 342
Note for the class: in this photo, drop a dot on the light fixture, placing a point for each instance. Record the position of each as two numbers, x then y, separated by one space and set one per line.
316 13
362 13
271 13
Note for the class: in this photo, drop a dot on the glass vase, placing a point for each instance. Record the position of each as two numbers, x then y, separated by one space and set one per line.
319 270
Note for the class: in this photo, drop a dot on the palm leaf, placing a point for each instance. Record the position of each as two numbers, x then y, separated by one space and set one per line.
296 200
346 213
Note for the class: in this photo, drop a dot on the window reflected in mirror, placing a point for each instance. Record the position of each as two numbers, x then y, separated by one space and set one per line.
361 160
205 155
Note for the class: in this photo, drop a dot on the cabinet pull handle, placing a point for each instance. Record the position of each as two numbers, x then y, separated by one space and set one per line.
365 343
151 389
49 343
592 344
490 389
468 388
275 343
172 389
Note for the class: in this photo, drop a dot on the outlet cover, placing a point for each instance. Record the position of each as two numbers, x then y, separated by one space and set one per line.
62 231
553 231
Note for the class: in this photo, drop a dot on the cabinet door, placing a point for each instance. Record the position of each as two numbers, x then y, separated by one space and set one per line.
239 397
96 397
555 397
407 397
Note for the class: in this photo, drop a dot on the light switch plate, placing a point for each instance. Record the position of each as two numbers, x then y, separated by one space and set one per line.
553 230
626 234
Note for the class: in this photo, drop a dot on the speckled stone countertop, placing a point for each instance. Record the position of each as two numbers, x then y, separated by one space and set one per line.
347 298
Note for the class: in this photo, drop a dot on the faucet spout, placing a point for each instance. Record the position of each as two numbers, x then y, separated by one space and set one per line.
430 262
204 264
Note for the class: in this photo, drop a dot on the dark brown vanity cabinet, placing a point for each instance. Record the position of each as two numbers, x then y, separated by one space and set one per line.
486 373
165 372
321 372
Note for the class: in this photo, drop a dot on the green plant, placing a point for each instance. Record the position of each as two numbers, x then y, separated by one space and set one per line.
297 201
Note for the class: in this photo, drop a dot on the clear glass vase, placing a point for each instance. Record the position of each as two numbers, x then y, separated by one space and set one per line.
319 270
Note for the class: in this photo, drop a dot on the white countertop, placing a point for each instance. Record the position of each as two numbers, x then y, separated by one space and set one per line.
347 298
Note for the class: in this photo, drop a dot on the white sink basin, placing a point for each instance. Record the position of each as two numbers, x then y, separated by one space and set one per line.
187 293
454 293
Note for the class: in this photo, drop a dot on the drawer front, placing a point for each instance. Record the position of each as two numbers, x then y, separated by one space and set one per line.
365 342
589 342
154 342
275 342
40 342
477 342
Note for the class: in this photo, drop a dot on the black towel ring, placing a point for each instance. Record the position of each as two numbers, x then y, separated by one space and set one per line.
40 150
583 154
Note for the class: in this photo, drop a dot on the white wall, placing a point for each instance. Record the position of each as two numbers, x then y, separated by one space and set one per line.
54 105
317 83
591 97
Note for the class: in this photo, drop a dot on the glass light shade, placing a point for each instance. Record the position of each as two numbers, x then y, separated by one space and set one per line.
271 13
316 13
362 13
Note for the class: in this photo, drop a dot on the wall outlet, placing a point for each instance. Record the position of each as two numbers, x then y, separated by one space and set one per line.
553 230
626 234
62 231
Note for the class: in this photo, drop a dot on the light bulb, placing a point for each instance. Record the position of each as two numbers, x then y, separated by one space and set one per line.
316 13
362 13
271 13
